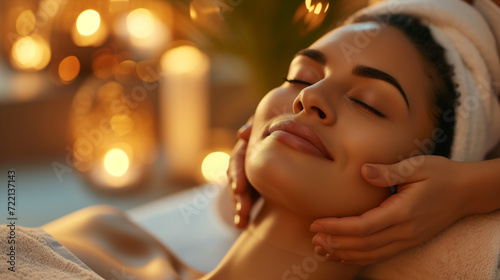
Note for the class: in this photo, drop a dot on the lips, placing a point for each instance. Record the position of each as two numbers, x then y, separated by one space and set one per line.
299 137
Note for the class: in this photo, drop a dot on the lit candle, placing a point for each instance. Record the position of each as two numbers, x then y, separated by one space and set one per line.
184 110
214 167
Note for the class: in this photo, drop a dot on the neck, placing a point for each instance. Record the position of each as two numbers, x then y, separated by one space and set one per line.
277 245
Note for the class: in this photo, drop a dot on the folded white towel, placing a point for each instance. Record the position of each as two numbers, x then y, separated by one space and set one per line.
491 13
471 48
469 250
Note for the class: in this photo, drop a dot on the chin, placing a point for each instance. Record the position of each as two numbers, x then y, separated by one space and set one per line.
307 185
269 169
285 176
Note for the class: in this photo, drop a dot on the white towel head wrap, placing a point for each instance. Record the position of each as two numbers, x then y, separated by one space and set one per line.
471 49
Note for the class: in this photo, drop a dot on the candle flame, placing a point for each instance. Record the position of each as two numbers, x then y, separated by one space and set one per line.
214 166
308 5
183 59
116 162
318 8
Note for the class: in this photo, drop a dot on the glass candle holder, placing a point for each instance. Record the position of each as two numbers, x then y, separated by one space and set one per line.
112 132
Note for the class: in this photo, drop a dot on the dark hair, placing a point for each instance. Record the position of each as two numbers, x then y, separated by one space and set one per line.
443 101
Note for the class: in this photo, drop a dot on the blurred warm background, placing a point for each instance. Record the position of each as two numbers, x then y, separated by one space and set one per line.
124 101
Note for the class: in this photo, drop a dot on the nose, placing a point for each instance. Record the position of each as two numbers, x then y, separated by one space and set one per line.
312 101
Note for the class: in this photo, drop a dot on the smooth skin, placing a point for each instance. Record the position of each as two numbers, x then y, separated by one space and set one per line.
406 219
435 194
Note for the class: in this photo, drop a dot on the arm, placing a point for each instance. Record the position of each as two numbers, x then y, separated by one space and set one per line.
482 183
433 193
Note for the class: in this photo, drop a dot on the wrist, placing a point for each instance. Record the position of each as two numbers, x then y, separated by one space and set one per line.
480 185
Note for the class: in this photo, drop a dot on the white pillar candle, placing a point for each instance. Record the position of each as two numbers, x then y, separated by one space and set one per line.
184 110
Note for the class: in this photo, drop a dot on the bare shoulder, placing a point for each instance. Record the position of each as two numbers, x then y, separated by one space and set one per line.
105 239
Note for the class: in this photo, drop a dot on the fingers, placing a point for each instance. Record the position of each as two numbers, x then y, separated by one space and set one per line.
404 220
368 223
366 238
366 257
242 206
245 131
382 175
355 243
240 188
237 179
365 250
242 193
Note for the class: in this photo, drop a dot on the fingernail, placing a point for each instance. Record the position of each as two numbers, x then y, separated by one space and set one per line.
319 250
233 185
315 227
237 206
371 171
237 219
242 128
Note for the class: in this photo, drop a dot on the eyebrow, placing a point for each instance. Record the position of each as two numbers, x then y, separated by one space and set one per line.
358 70
369 72
313 54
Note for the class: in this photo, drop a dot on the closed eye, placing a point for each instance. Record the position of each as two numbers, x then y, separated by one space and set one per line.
368 107
296 81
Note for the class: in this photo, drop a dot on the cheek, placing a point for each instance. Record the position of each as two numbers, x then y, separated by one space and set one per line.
277 102
369 143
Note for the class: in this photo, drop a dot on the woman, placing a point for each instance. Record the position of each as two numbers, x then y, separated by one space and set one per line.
310 138
378 234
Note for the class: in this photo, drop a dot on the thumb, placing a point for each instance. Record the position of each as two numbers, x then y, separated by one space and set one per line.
387 175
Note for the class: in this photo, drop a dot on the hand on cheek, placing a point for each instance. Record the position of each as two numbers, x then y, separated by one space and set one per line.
242 193
426 203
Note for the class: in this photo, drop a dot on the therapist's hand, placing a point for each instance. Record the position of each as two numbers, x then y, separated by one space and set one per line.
430 197
243 195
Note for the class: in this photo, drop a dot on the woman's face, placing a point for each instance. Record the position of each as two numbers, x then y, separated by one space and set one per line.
357 95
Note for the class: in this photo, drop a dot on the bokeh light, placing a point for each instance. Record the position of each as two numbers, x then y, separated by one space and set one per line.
104 65
311 15
26 51
25 23
89 29
116 162
141 23
30 53
316 8
145 29
88 22
125 71
69 68
121 124
183 59
214 166
112 133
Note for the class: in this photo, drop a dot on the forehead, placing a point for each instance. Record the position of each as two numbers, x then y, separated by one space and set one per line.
369 42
